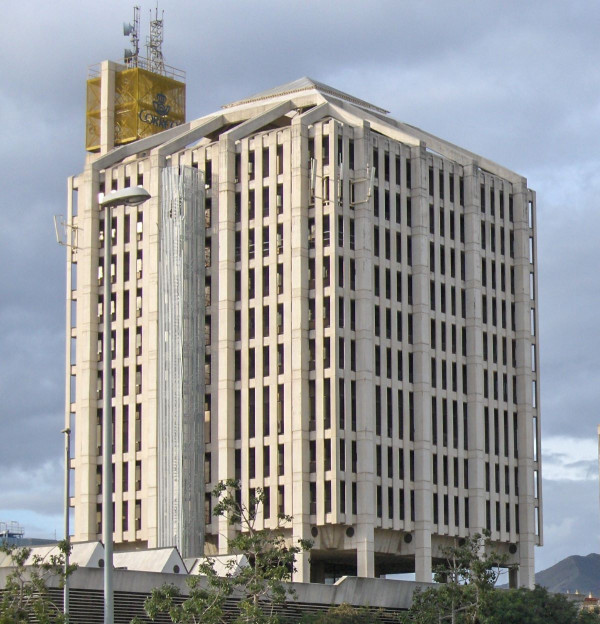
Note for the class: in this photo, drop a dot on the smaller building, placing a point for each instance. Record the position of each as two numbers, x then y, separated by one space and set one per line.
13 534
132 587
585 603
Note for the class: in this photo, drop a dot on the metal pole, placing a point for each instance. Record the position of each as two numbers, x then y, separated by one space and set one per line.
67 433
107 485
131 196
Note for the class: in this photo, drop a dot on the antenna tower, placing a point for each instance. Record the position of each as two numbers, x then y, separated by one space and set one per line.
156 62
130 56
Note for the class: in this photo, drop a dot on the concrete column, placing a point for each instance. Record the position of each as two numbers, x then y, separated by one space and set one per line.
365 339
86 331
107 106
296 320
223 270
150 382
474 328
421 363
523 267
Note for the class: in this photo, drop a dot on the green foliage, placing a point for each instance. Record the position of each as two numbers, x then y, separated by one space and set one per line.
589 617
466 593
524 606
344 614
537 606
467 576
26 594
207 595
271 559
258 587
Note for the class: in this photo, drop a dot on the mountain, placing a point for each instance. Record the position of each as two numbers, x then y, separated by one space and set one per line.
575 573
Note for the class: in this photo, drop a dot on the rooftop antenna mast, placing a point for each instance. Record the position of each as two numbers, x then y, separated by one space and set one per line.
156 62
130 56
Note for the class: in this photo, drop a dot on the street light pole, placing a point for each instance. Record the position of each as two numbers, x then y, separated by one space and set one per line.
131 196
107 476
67 433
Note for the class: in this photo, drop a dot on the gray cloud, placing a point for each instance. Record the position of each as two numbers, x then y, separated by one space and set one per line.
38 489
570 525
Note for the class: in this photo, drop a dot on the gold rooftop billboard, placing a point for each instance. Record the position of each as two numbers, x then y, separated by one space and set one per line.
145 103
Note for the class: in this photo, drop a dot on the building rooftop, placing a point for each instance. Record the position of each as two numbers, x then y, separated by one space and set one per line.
306 84
315 98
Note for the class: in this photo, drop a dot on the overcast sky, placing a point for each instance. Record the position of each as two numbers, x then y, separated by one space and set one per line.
517 82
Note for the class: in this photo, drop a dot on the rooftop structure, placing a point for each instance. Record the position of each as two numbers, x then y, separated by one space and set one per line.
133 586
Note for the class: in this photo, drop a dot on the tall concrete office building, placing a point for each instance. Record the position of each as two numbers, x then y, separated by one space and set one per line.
369 347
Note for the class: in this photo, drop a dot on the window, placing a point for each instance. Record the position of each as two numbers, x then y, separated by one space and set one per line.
265 361
265 201
265 238
265 277
327 496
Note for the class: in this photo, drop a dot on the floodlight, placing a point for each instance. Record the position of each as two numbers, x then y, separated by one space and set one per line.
129 196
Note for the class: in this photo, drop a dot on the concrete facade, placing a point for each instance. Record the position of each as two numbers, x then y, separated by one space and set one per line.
371 354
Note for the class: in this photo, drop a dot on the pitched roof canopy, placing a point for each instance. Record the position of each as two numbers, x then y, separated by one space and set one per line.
306 84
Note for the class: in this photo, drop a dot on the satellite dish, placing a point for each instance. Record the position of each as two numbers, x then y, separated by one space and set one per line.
127 29
128 54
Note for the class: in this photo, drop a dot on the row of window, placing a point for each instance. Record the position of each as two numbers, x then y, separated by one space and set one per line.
266 365
266 282
266 507
126 264
496 233
124 477
460 516
137 516
266 321
114 183
449 433
494 312
265 204
264 251
251 420
126 303
125 428
444 468
261 155
125 382
138 215
125 343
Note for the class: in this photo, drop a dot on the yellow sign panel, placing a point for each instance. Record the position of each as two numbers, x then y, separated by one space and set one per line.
145 103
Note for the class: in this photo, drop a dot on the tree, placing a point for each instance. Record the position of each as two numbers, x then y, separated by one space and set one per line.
467 576
466 593
537 606
260 586
26 593
589 617
205 602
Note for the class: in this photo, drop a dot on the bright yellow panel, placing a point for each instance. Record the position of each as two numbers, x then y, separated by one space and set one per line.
161 102
145 104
